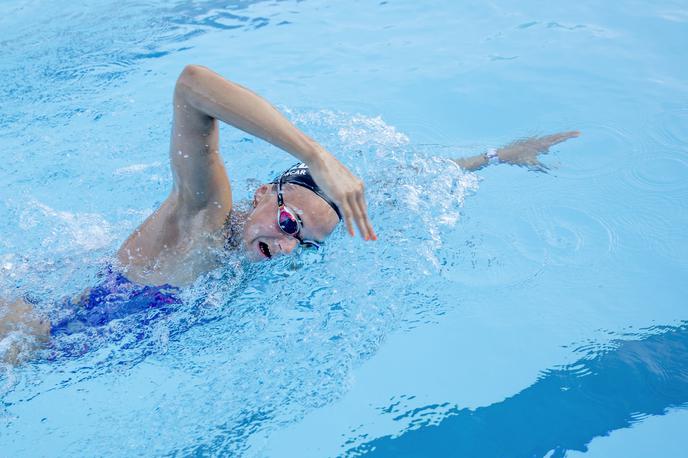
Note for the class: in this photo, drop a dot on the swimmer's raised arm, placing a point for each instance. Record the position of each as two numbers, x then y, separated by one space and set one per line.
201 97
520 152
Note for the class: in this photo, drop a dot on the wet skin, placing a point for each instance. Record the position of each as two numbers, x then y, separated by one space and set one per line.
180 241
263 239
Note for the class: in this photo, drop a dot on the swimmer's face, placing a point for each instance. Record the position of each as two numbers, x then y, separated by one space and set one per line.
262 237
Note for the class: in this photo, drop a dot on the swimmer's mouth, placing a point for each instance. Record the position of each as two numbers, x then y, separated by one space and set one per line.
263 247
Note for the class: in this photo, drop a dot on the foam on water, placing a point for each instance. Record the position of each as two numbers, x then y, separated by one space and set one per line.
524 298
287 333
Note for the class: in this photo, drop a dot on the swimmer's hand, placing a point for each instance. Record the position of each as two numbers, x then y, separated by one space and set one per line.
525 152
22 331
346 190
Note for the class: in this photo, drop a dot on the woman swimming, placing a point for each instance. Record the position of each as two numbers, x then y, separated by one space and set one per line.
185 237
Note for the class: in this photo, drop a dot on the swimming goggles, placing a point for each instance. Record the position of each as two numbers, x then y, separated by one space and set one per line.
289 222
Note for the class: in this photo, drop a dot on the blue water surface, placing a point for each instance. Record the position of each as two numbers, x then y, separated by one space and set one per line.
503 313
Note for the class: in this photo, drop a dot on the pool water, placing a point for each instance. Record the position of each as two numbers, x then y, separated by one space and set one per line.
503 313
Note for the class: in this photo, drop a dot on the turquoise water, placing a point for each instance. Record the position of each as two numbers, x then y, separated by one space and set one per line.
503 313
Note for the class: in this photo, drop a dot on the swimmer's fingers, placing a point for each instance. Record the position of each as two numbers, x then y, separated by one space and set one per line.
346 211
553 139
369 224
537 166
346 190
359 208
352 202
540 167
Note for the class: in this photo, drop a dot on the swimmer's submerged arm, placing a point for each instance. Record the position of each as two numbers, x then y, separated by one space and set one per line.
520 152
25 330
202 97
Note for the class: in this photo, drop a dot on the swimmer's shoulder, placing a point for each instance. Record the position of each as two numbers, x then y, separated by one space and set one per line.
174 245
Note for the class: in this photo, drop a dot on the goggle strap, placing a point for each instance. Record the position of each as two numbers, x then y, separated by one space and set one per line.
283 208
280 199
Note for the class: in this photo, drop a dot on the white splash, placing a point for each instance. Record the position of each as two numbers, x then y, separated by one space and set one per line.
136 168
89 231
362 130
353 130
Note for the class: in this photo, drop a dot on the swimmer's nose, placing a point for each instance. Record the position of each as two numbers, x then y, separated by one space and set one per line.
288 244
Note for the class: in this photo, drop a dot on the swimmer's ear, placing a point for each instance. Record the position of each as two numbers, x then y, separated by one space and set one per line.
260 193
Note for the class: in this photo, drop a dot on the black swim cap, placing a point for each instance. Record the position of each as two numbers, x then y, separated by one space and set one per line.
299 175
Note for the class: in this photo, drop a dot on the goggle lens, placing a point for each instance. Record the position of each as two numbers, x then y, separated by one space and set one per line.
288 222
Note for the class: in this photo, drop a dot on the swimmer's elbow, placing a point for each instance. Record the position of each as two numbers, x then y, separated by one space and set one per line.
190 77
193 72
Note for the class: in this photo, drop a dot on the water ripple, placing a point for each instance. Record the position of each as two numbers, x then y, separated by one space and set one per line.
566 408
670 129
602 150
660 165
659 172
572 236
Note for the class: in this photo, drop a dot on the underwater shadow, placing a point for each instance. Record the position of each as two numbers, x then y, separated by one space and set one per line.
564 409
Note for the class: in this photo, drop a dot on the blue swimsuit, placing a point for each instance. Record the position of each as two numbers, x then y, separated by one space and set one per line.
115 297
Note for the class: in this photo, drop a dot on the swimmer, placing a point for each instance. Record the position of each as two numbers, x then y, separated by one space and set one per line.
186 236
